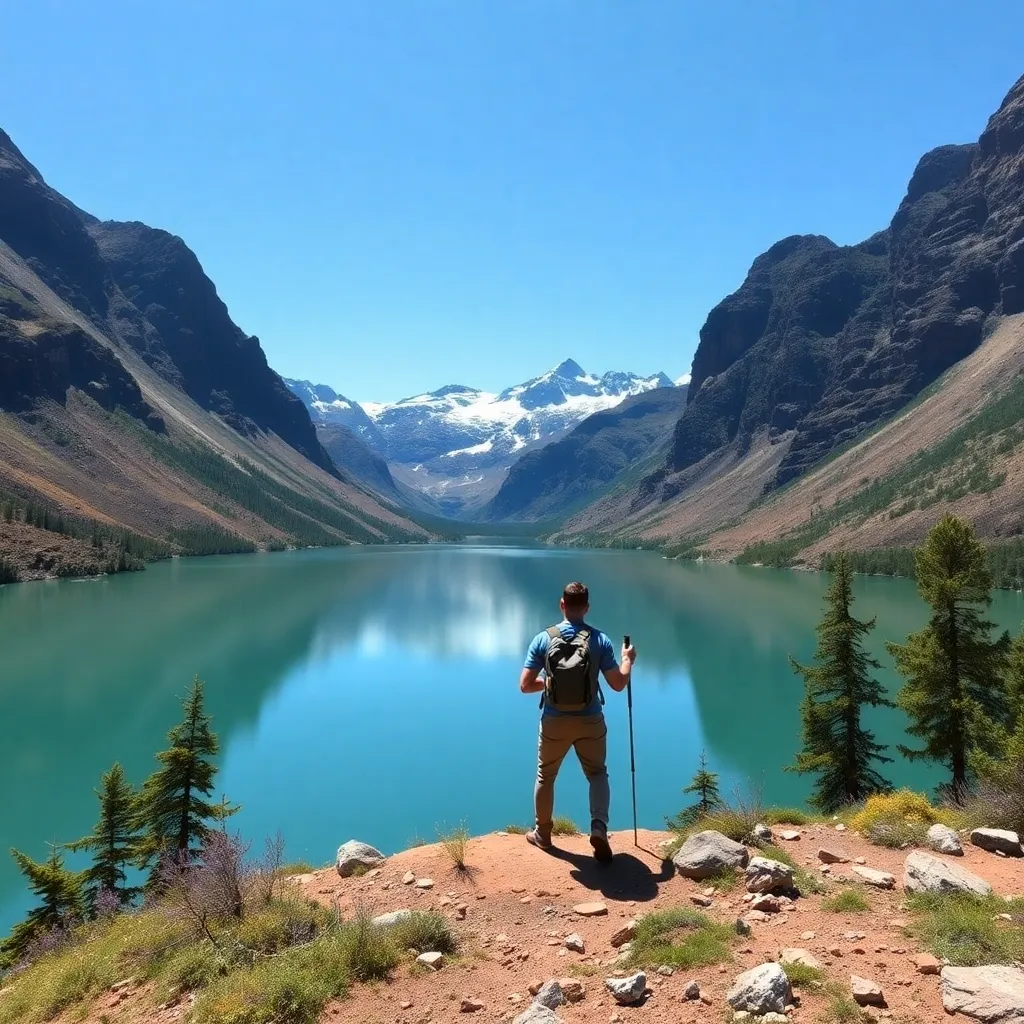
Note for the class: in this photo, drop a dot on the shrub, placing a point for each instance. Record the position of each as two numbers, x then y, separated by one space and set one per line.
680 938
965 929
564 827
454 843
288 989
898 819
279 925
842 1010
517 830
789 816
367 949
428 933
849 901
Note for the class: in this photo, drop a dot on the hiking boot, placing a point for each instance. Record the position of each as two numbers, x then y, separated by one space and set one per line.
536 838
599 841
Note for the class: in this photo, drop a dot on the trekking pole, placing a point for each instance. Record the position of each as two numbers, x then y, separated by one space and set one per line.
632 759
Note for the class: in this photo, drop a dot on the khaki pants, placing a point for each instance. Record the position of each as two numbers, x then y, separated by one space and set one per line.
588 734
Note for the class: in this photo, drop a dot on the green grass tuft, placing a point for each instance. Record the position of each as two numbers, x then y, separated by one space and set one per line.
841 1010
517 830
454 843
427 933
680 938
963 929
849 901
723 881
802 975
564 827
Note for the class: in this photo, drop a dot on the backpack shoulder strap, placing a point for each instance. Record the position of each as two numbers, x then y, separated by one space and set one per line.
553 631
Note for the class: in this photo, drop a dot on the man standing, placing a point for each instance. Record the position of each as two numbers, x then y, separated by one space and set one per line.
572 654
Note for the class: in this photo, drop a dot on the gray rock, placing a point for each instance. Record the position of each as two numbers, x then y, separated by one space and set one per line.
879 879
865 993
538 1014
997 840
574 943
762 834
827 856
354 854
551 995
943 839
627 991
431 960
793 955
691 991
763 989
924 872
763 875
709 853
385 920
665 971
988 994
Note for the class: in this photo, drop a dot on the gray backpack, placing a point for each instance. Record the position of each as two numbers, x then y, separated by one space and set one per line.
571 671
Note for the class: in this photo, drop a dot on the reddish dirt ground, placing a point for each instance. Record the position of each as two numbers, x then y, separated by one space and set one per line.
519 907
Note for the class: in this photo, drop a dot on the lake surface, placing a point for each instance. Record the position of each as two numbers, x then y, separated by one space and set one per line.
372 693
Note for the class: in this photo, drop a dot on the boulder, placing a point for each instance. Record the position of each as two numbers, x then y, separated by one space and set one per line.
993 993
551 995
762 834
793 955
574 943
709 853
627 933
763 989
627 991
431 960
924 872
865 993
943 839
572 989
763 875
537 1014
354 855
879 879
385 920
997 840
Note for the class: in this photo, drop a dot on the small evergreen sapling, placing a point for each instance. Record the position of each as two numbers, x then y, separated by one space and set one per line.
837 686
62 905
113 842
174 810
955 693
704 786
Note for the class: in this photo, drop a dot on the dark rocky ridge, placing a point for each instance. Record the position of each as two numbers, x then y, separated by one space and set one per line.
821 341
143 289
548 482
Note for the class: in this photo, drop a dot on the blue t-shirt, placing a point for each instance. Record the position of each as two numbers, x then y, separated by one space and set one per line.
600 647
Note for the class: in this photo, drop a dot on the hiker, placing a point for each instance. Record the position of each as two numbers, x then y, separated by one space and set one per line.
571 655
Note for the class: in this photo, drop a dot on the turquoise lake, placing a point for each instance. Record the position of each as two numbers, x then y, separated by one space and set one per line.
372 693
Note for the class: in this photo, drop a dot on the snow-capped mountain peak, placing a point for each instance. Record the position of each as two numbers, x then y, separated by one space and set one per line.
461 436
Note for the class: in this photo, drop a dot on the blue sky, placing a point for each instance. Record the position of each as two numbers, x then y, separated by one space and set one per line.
399 194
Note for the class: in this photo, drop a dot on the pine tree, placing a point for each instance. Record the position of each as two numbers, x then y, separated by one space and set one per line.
173 807
114 842
62 906
954 693
705 785
836 747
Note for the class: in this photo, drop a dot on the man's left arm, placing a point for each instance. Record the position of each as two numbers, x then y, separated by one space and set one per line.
615 675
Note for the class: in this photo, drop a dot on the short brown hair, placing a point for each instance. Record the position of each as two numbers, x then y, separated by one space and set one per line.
576 595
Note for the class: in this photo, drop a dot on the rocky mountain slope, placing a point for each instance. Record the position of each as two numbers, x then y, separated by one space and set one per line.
548 482
456 444
822 343
131 401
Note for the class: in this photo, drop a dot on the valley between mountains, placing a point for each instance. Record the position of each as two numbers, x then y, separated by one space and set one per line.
841 396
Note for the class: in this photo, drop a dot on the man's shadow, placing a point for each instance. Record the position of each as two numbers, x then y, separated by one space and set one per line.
624 877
